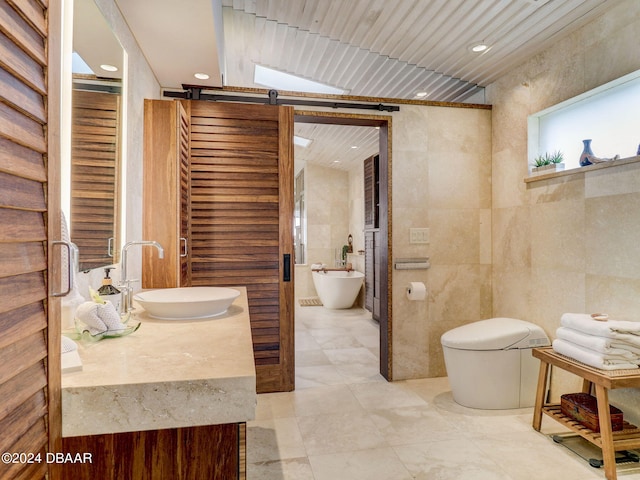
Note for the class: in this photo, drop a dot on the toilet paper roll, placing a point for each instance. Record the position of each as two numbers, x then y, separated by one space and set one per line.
416 291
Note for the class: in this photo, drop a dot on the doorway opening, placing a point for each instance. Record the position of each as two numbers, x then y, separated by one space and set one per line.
383 228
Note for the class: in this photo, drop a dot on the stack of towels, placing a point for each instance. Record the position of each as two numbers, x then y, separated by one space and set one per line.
608 345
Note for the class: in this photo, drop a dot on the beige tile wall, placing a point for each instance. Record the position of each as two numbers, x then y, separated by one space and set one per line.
442 181
570 244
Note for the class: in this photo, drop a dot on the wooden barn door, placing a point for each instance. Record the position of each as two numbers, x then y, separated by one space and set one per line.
29 345
241 216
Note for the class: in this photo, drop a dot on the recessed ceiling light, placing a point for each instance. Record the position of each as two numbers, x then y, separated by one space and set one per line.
354 146
336 161
109 68
421 94
201 76
478 47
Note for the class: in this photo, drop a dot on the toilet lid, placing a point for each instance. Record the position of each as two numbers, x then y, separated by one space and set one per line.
491 334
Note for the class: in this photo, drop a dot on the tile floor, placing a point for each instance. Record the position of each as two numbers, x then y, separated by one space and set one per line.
345 422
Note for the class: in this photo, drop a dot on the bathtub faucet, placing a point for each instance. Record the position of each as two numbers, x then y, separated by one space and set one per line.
348 268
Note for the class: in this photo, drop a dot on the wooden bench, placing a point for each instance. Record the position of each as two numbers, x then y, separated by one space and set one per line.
603 381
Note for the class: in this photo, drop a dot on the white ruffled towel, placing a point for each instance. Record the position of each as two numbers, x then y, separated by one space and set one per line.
590 357
100 318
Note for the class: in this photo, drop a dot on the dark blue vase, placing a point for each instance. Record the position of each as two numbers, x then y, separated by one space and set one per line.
584 160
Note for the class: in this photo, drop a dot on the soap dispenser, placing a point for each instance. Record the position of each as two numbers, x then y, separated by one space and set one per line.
108 292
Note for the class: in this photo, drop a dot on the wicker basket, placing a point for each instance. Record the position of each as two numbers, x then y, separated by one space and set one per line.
583 408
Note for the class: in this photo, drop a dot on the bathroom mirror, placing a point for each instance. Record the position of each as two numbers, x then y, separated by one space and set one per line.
96 139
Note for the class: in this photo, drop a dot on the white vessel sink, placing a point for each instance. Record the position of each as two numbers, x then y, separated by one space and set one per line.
187 302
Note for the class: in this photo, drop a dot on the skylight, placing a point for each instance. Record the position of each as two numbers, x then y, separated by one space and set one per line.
271 78
78 65
301 141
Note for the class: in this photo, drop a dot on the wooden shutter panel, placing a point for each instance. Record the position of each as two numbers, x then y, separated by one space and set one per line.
95 163
242 218
25 418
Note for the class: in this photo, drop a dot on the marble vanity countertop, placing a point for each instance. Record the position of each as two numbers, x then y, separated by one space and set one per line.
167 374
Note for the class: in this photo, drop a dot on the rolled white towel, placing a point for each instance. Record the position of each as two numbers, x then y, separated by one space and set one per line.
99 317
589 357
603 345
111 318
610 329
87 313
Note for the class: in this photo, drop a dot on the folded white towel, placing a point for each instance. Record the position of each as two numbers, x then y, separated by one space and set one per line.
604 345
68 345
589 357
99 318
610 329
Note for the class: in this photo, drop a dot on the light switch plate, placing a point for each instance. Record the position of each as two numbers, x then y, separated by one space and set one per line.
418 235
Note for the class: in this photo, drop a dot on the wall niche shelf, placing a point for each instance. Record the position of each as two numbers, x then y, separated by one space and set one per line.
604 114
588 168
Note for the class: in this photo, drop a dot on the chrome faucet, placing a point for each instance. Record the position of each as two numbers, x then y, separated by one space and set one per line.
125 283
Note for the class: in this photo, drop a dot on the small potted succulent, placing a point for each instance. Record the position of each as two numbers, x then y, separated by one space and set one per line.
549 162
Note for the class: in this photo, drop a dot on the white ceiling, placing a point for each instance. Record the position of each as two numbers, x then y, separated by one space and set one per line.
375 48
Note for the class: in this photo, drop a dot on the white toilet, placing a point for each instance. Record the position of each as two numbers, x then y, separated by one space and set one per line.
489 363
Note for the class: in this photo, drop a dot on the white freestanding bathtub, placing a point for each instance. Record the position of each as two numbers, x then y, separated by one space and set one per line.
338 289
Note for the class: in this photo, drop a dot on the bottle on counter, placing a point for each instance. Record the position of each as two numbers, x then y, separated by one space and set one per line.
108 292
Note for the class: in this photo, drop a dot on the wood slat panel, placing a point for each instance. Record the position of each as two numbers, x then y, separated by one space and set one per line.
235 174
21 30
95 161
21 96
21 290
158 454
21 322
20 161
234 171
20 420
21 129
21 65
18 258
20 388
204 113
26 421
17 356
34 440
33 12
21 193
20 225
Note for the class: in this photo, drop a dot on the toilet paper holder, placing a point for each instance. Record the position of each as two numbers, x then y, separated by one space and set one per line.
421 263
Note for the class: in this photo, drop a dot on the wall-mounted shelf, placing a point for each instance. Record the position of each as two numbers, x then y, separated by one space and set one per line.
588 168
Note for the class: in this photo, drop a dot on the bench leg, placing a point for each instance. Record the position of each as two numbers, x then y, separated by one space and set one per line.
540 394
608 452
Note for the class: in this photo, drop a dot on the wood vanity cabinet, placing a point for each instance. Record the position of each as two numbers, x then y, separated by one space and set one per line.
220 175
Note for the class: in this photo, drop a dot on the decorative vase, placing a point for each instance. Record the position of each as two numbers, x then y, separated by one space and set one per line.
584 159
